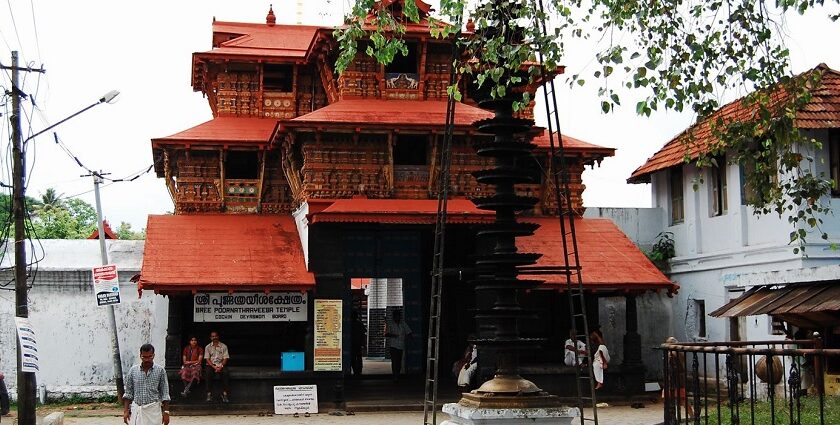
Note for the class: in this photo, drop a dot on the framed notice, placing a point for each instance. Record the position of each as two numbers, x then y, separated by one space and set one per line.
327 350
106 285
291 399
250 307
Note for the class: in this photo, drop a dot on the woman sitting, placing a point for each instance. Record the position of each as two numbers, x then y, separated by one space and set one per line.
191 359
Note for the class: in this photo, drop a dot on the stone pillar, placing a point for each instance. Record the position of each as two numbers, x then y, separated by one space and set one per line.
632 370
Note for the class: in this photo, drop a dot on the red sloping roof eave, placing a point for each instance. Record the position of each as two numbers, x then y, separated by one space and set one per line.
609 260
223 131
223 252
825 98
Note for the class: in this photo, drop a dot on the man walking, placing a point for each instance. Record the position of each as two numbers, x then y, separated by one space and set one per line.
146 397
216 355
396 330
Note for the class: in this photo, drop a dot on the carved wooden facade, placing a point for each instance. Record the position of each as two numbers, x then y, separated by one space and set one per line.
276 174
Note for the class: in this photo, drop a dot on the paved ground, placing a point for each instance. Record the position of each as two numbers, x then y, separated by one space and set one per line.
614 415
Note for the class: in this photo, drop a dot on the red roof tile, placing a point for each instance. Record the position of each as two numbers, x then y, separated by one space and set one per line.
399 211
823 111
609 260
222 131
278 41
223 252
379 112
109 233
574 146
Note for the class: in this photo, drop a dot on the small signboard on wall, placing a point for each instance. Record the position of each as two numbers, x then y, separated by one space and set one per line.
327 351
106 285
291 399
250 307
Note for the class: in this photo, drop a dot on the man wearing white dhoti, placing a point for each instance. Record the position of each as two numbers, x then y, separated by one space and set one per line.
146 397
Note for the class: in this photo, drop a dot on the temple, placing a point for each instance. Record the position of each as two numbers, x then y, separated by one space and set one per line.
310 195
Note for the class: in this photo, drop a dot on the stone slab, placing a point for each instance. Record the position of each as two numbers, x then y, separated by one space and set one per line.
466 415
55 418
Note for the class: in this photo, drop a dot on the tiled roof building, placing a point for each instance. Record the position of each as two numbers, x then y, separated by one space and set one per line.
304 181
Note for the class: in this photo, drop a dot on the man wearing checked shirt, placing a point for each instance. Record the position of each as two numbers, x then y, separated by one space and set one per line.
146 397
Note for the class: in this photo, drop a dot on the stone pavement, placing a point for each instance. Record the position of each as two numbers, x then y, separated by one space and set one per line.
613 415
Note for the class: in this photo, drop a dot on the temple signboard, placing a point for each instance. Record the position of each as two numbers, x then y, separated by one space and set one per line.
327 352
250 307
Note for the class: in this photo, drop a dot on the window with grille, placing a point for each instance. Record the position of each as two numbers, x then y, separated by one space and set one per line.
676 189
717 187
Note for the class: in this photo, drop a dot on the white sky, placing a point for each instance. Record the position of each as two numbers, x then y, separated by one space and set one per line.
144 50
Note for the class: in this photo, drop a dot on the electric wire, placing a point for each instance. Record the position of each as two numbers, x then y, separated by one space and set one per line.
35 30
14 25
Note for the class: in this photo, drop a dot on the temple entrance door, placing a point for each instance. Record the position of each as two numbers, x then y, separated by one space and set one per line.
393 259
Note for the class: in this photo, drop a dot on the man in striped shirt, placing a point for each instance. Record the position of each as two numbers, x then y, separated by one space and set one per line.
146 397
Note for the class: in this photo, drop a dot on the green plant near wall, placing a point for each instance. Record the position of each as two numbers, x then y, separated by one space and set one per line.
662 250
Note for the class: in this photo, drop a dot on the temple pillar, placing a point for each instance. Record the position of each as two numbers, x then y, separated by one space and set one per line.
632 370
172 351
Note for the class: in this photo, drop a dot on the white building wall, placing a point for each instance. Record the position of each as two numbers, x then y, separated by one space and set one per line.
712 253
72 331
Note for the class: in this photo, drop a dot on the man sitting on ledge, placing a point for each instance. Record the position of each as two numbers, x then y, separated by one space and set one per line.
216 355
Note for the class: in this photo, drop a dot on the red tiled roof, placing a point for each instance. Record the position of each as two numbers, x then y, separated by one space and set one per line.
379 112
223 131
572 145
109 233
399 211
278 41
609 260
223 252
823 111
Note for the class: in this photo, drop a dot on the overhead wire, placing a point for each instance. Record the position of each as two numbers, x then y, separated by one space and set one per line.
14 25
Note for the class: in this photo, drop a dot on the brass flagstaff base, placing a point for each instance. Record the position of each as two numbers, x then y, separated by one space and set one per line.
509 391
508 384
535 408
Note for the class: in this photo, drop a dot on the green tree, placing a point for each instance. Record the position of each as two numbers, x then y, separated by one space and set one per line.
74 219
124 231
671 54
50 199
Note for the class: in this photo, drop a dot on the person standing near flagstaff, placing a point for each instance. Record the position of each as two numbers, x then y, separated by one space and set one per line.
146 397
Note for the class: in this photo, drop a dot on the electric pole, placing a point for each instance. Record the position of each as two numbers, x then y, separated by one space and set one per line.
112 319
25 380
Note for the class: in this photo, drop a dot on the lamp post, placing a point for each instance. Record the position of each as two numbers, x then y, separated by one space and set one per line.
112 318
26 380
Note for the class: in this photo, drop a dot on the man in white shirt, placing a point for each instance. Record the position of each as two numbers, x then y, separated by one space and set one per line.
574 346
395 331
216 355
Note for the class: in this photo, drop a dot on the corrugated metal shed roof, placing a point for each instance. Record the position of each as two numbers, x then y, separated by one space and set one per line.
807 305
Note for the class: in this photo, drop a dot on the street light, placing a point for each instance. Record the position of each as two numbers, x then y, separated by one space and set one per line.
106 98
26 380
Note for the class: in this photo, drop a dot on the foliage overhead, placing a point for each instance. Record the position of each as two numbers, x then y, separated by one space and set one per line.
680 55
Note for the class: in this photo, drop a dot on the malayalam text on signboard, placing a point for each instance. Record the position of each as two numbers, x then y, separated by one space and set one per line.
327 351
250 307
106 285
290 399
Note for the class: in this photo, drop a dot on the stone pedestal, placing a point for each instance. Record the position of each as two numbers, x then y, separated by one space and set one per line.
461 414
